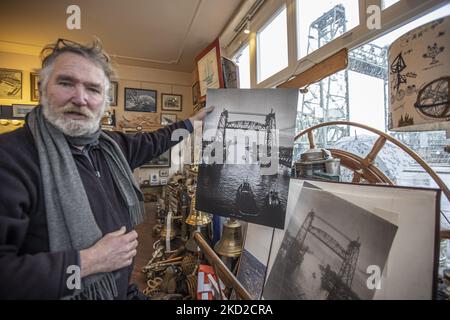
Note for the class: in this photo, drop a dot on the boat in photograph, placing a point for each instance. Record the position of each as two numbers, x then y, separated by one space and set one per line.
245 200
273 199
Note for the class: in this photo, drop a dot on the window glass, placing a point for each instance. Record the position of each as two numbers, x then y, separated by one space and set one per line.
242 59
388 3
359 94
272 47
319 22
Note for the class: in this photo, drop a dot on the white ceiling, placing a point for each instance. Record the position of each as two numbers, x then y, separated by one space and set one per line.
165 34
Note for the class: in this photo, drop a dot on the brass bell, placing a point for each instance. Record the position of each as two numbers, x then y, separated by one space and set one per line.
197 217
230 244
169 220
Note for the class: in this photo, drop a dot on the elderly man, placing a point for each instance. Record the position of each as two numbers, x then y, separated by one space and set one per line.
67 195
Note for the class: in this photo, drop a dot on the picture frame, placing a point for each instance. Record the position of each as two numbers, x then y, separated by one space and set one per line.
113 90
10 84
140 100
164 172
21 110
167 118
163 161
393 218
163 181
195 93
230 71
209 69
171 102
109 118
34 86
154 179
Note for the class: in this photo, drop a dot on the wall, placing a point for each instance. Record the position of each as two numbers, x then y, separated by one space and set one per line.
163 81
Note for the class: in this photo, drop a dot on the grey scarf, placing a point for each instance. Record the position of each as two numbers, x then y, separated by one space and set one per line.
71 223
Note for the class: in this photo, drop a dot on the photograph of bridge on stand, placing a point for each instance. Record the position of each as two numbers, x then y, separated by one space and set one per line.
327 248
247 154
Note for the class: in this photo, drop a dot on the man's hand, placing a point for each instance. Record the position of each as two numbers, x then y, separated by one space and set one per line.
112 252
199 116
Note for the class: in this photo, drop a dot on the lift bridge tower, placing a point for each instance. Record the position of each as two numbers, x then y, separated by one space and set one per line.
328 100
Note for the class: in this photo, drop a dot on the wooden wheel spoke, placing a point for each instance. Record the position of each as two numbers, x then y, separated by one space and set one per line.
312 144
378 145
357 175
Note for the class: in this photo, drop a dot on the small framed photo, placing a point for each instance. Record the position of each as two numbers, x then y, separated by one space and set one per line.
10 84
209 69
109 118
171 102
195 93
34 86
164 172
140 100
154 179
163 161
167 118
163 181
21 110
113 93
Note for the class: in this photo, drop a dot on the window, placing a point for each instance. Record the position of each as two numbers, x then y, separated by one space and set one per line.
319 22
272 47
359 94
387 3
242 59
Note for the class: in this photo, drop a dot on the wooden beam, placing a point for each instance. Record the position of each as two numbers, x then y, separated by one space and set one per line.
327 67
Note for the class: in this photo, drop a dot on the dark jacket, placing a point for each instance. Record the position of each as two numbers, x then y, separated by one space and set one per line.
27 269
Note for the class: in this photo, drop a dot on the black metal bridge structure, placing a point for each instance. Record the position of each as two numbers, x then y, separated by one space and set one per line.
328 99
338 284
268 126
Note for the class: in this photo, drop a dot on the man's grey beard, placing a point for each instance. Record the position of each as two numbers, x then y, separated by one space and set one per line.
71 127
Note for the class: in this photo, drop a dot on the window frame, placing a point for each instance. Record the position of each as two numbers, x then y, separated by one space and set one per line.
392 17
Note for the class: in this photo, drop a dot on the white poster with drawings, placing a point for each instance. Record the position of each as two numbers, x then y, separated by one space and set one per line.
419 77
346 241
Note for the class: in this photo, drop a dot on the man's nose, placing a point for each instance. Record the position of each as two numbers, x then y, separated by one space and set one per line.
79 96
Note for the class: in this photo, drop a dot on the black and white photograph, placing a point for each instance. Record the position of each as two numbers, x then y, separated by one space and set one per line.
10 84
327 249
140 100
167 118
251 274
247 154
171 102
252 270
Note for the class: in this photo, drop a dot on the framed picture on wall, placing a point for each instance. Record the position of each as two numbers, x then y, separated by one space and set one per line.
167 118
113 93
34 86
140 100
21 110
195 93
10 84
209 69
163 161
171 102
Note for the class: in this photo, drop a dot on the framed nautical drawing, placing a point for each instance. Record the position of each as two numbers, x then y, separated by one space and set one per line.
209 69
354 241
10 84
140 100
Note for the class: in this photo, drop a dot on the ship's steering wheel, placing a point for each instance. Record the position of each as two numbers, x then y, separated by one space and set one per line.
364 169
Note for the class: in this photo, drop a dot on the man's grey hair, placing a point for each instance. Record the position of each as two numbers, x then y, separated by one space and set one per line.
93 52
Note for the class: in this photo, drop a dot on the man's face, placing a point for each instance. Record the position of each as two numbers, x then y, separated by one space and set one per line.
74 99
